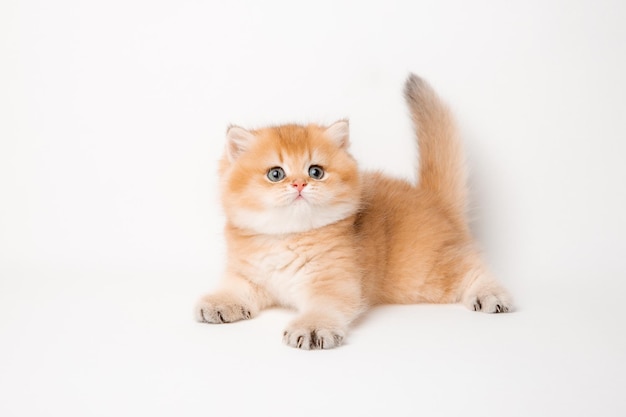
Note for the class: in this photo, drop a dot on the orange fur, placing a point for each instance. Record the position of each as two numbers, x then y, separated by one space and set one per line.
334 245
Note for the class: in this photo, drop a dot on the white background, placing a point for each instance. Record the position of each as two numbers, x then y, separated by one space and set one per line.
112 116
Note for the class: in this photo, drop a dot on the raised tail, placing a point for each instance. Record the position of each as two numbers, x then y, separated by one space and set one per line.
441 169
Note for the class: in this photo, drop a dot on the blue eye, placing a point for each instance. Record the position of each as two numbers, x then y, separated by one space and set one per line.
316 172
275 174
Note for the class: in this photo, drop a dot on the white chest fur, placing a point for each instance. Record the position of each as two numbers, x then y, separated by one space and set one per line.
282 268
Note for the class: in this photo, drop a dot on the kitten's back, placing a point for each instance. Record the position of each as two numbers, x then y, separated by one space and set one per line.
415 241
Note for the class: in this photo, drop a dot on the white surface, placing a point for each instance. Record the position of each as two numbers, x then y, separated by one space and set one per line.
112 117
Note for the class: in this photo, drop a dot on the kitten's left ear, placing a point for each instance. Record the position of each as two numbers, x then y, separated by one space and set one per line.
238 140
339 132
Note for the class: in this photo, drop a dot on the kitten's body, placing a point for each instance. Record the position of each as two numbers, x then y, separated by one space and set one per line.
330 246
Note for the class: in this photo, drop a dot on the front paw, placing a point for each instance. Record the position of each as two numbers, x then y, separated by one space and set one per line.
216 309
491 303
310 337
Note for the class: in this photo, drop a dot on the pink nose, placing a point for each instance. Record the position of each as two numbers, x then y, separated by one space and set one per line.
299 185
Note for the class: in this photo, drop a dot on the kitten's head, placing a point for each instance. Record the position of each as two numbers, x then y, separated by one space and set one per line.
289 178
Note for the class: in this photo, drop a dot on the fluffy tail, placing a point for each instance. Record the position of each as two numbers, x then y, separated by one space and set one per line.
441 169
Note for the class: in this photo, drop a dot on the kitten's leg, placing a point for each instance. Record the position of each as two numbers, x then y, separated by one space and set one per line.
236 299
324 321
484 293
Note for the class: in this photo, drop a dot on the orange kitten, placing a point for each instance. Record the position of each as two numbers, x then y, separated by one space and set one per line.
307 230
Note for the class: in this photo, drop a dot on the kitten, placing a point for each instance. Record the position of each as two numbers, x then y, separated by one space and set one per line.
307 230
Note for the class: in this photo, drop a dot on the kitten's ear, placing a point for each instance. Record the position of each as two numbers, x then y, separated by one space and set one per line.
238 140
339 132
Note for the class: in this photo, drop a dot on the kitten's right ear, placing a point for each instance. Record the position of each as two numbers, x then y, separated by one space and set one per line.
238 140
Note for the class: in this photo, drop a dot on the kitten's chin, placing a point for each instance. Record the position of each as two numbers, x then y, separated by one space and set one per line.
298 217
